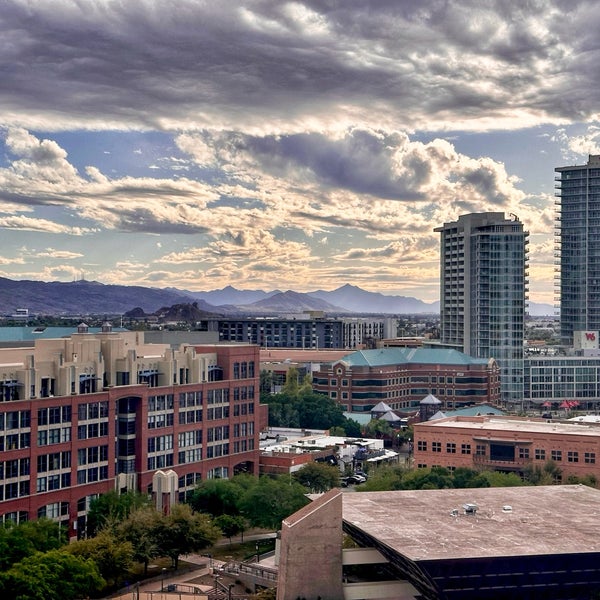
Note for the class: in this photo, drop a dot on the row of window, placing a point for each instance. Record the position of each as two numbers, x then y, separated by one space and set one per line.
92 430
92 455
160 462
160 443
15 441
243 370
188 399
243 393
572 456
56 435
405 380
87 411
159 403
54 415
92 474
54 461
15 419
51 483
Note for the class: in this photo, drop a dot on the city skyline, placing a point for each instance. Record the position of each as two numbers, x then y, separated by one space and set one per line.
284 145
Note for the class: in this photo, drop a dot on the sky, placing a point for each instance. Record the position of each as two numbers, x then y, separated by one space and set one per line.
268 144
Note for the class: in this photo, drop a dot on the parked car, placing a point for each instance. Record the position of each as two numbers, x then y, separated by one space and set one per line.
356 478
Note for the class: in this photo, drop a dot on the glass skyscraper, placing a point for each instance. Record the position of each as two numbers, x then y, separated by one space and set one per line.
578 247
483 292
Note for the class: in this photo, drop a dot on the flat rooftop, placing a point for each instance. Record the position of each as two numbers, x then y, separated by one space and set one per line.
420 525
491 423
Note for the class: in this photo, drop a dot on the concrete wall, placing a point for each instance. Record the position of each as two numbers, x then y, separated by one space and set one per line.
311 542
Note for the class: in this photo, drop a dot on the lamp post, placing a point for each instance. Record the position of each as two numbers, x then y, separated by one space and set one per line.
162 583
257 553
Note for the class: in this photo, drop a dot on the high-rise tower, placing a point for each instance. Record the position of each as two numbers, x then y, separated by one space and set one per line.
483 289
578 246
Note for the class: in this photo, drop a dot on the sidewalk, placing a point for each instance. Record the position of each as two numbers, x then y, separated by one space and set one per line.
204 567
157 587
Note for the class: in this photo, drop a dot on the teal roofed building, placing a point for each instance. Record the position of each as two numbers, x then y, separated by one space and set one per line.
402 377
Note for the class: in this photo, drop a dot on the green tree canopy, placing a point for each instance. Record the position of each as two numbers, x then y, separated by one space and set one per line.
231 525
318 477
22 540
271 500
388 477
217 497
142 529
112 508
183 531
52 575
378 428
114 557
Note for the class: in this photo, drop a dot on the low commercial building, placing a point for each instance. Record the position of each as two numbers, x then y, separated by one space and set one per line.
94 412
508 444
531 543
402 377
310 330
281 456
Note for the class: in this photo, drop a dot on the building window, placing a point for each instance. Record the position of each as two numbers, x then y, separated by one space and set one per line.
480 450
422 446
556 455
465 449
436 446
589 458
451 448
540 454
523 452
572 456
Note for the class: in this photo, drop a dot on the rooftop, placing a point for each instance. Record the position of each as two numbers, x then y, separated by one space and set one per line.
396 356
420 524
493 423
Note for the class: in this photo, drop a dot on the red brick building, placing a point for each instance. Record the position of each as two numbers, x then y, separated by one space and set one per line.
402 377
508 444
95 412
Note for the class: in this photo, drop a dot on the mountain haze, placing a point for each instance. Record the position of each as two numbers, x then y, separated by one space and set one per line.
85 297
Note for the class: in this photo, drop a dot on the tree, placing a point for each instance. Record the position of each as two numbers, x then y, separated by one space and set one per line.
231 525
272 500
112 508
22 540
266 382
378 428
352 427
318 477
113 556
183 531
141 530
216 497
52 575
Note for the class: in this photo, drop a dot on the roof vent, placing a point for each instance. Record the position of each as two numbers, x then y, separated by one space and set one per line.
470 509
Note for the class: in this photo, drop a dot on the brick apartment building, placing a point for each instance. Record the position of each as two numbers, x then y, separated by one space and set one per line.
508 444
402 377
83 415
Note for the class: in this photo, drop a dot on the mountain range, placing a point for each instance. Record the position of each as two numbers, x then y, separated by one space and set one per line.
91 297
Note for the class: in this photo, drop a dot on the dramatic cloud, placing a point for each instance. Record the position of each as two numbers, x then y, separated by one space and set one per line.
291 66
284 142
